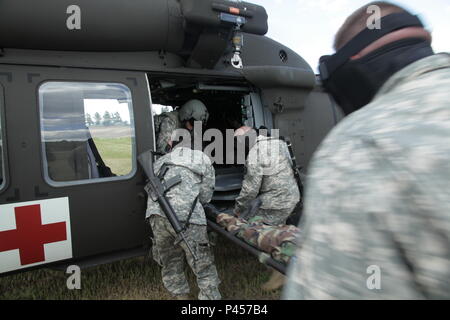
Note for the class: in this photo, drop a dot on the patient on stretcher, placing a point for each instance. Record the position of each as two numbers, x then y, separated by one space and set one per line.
278 241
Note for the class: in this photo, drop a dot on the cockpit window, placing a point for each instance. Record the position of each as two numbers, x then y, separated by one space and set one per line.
87 132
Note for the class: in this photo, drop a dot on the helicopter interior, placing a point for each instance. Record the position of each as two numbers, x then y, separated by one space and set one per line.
229 106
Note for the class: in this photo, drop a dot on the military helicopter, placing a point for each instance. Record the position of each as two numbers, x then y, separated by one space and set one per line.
79 82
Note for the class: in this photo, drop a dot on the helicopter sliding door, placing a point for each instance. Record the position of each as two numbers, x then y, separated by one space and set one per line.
306 122
73 185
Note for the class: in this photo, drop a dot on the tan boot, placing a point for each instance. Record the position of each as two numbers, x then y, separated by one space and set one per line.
275 282
183 297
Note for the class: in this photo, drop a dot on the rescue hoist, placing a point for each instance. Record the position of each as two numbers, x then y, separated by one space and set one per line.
235 16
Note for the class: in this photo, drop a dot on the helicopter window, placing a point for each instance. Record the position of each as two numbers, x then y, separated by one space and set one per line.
87 132
159 109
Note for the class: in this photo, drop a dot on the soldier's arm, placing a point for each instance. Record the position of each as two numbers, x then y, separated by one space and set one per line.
208 184
364 234
250 187
166 128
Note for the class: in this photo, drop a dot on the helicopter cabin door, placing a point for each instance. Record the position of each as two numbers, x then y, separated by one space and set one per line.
71 186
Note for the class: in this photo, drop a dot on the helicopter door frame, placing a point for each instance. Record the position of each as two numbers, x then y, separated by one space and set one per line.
261 114
106 215
3 144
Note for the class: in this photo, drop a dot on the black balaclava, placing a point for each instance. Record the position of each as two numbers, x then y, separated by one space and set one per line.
354 83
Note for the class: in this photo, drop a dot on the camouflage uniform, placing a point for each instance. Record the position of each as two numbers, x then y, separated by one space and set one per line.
270 177
198 179
165 124
278 241
378 194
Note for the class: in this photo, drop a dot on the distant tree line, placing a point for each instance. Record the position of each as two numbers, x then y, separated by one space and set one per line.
108 119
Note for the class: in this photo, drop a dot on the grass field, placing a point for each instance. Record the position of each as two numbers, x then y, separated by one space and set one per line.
116 153
139 279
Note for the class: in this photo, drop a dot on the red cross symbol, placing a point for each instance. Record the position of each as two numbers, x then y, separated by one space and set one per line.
31 235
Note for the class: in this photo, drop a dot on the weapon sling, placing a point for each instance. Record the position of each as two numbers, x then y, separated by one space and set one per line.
103 169
162 173
294 165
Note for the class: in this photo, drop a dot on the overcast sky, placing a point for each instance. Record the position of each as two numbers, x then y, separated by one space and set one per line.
308 26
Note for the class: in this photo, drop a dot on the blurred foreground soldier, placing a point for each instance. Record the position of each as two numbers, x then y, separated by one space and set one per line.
270 179
376 221
196 188
167 122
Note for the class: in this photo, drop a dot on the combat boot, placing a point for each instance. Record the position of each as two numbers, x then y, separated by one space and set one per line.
275 282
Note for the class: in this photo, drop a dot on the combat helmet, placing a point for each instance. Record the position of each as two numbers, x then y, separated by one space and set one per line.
194 109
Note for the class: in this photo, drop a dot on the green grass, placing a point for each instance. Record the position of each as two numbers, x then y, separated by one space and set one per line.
139 279
116 153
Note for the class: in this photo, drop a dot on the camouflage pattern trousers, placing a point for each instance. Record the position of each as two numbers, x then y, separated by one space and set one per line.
172 258
274 217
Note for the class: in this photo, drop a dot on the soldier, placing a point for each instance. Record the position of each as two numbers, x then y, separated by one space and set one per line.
269 178
168 122
197 186
376 219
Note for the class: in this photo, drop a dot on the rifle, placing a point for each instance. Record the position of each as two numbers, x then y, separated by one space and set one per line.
298 211
157 189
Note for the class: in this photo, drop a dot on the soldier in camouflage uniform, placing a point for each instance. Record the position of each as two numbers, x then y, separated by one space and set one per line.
378 196
165 124
168 122
197 186
270 177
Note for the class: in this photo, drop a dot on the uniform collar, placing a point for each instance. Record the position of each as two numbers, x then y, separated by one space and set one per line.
414 70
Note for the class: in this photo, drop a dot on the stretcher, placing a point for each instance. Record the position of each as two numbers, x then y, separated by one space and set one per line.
262 256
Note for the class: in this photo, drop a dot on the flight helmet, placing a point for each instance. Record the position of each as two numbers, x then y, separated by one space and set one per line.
194 110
